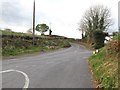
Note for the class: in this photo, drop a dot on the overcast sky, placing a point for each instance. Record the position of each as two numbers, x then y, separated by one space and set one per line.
119 15
64 15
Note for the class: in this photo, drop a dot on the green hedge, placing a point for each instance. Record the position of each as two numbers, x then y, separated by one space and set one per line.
99 38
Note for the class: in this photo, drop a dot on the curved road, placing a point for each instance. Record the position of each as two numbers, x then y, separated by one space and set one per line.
65 68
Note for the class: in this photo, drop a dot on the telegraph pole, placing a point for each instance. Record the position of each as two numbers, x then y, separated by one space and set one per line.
34 22
119 16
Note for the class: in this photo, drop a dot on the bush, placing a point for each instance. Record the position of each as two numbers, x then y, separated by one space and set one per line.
99 38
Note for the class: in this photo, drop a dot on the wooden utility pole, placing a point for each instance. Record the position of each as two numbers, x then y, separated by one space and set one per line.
119 16
34 22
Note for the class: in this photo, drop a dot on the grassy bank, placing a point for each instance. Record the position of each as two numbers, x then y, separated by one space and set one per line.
9 52
22 47
14 44
104 65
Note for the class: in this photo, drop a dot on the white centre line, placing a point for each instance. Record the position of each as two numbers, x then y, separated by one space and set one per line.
25 75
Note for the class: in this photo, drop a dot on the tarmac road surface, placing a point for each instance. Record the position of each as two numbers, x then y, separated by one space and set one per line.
64 68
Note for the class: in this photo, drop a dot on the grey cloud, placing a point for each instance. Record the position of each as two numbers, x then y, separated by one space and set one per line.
12 12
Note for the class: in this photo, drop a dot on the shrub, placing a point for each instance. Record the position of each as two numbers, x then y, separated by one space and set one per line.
99 38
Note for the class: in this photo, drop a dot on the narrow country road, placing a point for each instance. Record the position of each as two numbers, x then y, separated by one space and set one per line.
65 68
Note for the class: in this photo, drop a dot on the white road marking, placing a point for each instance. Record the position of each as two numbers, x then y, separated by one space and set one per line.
25 75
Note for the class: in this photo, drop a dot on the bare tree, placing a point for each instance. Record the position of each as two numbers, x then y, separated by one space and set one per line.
95 18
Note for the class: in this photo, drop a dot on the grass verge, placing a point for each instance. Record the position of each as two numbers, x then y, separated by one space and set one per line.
105 70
